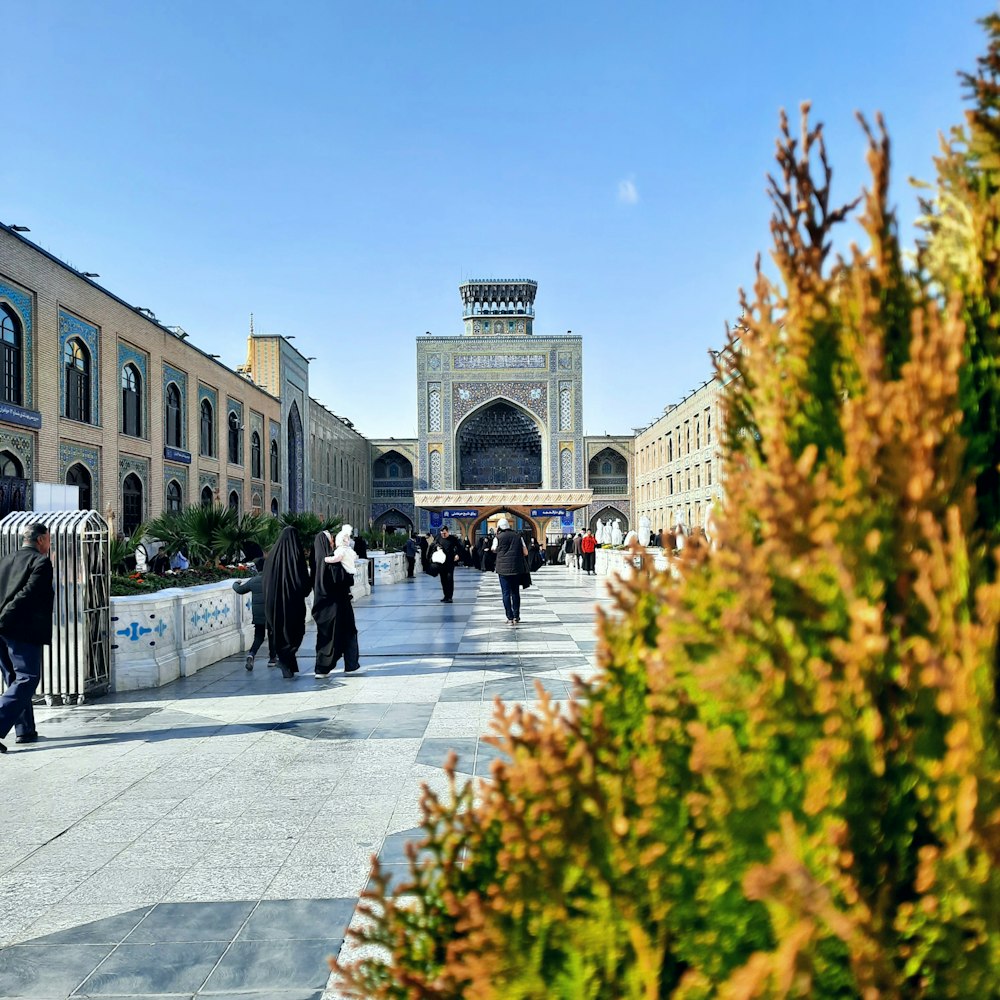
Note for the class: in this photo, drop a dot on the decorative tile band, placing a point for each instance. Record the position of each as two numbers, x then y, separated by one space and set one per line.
467 361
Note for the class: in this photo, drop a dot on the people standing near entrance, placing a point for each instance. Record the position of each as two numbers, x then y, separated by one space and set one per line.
587 546
512 565
578 550
425 549
254 586
26 598
452 554
333 610
410 551
489 555
286 584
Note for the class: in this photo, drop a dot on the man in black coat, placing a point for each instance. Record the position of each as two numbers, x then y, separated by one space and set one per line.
452 554
26 598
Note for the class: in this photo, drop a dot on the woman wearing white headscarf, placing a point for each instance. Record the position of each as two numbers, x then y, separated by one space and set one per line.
336 631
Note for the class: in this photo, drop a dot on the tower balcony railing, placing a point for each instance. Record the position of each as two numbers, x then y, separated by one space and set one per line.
497 309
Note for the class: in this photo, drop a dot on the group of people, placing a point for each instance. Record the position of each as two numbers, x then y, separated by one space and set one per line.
578 552
278 602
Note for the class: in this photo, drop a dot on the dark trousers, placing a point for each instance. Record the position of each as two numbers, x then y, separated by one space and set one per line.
410 563
448 580
589 562
352 656
510 588
259 631
21 665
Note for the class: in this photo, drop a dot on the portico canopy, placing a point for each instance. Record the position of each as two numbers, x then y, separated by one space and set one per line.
470 506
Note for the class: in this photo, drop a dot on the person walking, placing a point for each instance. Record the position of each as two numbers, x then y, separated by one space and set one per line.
588 544
512 564
26 599
410 551
578 550
449 546
536 557
286 584
333 610
254 586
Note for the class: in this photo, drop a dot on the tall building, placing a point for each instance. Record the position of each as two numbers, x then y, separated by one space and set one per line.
500 418
99 394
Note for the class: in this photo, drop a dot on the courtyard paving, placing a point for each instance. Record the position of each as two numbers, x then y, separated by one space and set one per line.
211 838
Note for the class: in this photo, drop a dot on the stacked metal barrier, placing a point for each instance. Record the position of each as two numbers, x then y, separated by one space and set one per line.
78 663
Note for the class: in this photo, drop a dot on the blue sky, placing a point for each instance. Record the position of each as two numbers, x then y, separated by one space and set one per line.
337 169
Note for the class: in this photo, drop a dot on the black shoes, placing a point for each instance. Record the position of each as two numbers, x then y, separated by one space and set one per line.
446 600
3 749
249 663
351 670
287 672
27 738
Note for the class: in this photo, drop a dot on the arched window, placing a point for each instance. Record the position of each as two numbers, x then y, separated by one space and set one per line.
256 503
131 401
234 438
10 467
275 464
393 470
174 496
207 429
234 501
76 358
10 339
274 505
255 467
131 503
79 475
173 435
207 499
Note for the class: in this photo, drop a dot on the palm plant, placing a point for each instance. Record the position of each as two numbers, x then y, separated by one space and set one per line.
122 550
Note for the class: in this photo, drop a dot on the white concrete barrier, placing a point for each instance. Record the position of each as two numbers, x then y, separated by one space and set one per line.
623 563
156 638
390 567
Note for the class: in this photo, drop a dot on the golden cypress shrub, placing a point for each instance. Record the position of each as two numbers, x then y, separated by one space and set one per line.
785 783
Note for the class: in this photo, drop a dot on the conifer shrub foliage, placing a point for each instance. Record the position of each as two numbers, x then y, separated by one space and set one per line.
785 782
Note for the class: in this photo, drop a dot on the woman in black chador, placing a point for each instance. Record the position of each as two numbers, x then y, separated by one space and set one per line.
286 584
336 631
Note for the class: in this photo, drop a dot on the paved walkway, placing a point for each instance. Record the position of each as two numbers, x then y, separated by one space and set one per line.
211 838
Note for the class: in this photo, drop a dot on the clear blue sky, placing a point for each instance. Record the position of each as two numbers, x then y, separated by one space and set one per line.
337 168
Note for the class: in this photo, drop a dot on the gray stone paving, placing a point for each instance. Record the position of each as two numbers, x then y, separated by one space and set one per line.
211 838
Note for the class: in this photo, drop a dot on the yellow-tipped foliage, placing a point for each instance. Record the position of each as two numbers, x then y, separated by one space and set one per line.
785 783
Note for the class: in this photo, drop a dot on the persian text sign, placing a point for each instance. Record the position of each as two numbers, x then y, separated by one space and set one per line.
548 511
11 414
460 513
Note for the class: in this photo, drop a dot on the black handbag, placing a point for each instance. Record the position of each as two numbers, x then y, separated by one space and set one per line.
524 580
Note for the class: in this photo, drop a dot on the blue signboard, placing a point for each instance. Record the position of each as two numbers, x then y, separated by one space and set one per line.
11 414
435 519
566 521
459 513
548 512
177 455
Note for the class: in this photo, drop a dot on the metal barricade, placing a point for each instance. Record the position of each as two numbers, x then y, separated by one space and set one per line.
78 663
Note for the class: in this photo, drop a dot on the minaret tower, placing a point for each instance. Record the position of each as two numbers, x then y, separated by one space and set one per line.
498 307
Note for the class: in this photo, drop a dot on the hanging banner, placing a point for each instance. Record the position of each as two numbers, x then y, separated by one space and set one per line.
548 511
436 520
